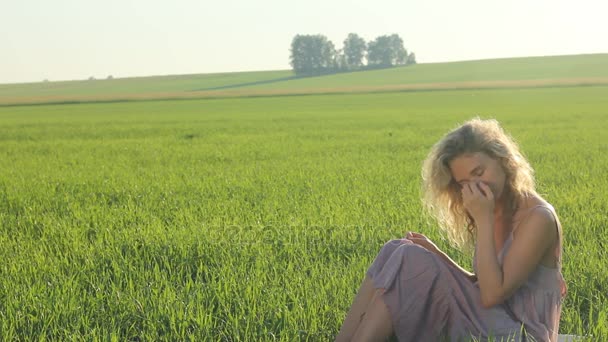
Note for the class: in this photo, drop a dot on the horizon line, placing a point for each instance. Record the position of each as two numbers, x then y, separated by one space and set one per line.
278 70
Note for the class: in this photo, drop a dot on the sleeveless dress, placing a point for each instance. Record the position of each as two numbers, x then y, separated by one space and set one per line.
430 300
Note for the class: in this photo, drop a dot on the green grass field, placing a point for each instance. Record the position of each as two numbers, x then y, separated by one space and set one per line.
249 219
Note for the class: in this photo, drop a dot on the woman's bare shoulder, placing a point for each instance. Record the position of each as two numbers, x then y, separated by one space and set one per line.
531 208
531 211
530 202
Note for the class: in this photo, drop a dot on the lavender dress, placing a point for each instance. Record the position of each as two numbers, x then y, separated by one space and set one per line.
429 300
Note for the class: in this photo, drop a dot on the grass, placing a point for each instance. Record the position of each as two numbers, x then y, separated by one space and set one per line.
256 218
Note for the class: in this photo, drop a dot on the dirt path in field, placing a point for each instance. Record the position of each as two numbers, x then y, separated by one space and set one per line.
235 93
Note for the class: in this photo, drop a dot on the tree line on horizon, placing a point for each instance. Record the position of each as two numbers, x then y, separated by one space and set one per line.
316 55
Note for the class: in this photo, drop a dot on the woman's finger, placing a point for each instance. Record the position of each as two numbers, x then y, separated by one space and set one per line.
418 241
466 189
466 193
475 189
487 190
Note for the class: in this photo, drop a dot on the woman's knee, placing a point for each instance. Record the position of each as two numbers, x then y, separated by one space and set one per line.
418 257
393 244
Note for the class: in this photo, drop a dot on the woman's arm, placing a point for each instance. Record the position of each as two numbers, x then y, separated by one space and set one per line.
471 276
534 238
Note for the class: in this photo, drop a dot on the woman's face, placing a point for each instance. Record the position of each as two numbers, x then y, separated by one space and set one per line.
479 167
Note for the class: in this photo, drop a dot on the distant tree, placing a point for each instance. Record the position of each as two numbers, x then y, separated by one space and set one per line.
411 59
340 63
312 55
46 80
91 78
354 51
110 77
315 54
386 51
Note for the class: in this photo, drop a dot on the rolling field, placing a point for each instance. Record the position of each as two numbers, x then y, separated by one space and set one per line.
255 219
528 72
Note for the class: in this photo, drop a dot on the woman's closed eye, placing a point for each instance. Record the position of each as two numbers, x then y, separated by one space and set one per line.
462 183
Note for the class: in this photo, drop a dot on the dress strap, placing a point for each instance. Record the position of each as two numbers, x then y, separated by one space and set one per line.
558 226
558 253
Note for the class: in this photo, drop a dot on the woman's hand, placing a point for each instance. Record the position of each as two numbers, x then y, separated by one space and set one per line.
478 200
423 241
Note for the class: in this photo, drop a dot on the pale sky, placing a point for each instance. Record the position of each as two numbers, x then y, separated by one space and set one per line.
75 39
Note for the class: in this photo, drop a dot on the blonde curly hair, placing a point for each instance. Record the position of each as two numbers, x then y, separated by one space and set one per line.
441 194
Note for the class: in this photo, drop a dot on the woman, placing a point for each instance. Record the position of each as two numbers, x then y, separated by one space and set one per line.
480 188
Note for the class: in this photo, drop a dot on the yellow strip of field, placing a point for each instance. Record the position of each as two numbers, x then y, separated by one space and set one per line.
249 92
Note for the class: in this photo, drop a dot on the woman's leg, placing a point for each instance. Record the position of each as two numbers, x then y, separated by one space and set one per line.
376 324
357 310
365 294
